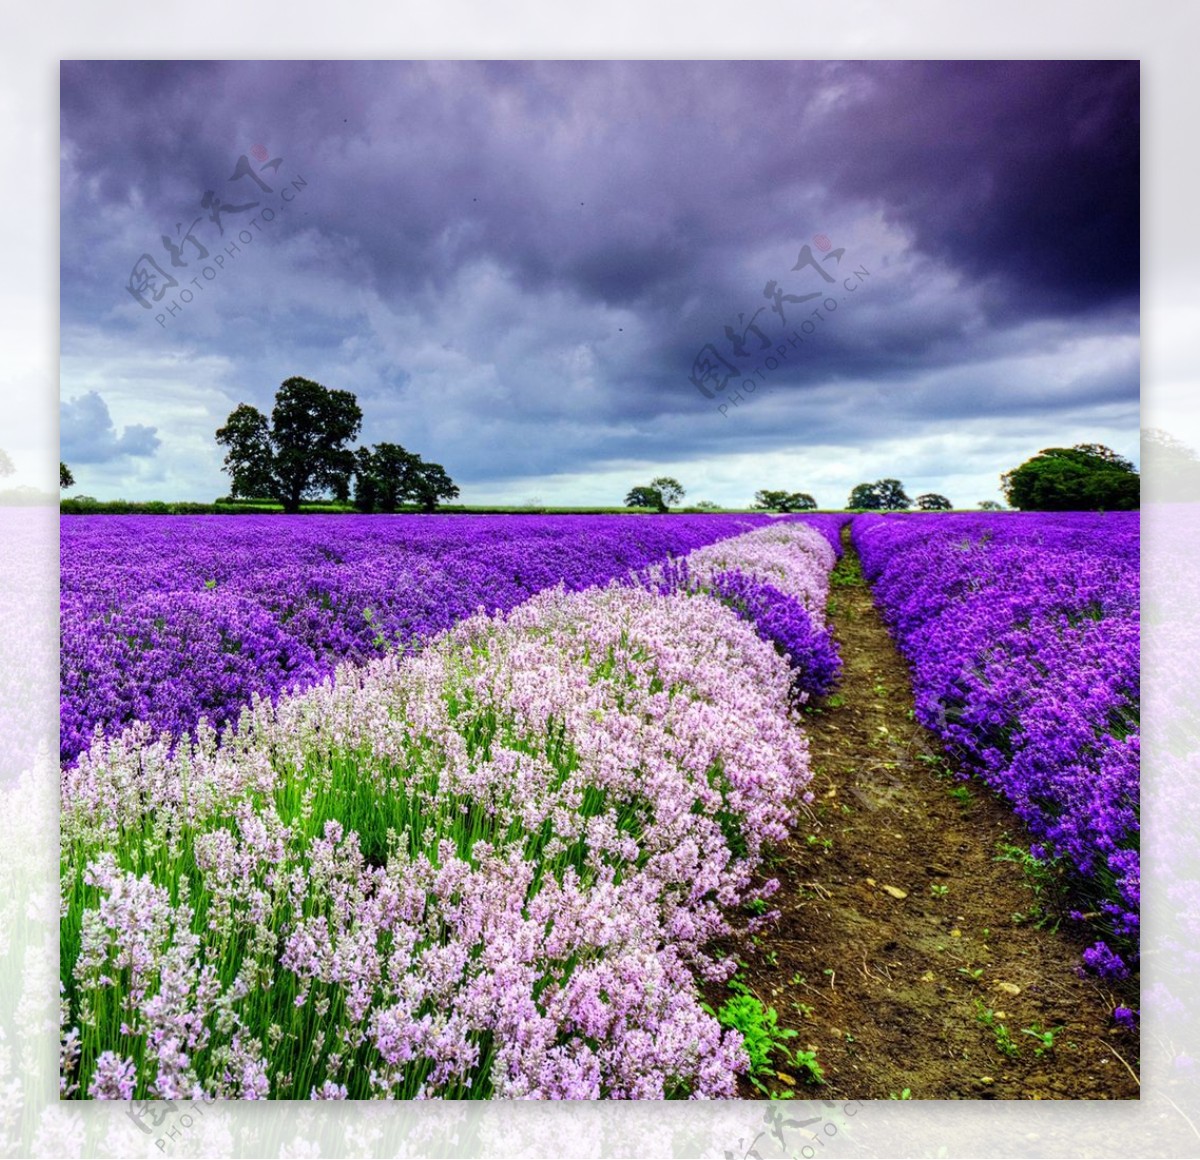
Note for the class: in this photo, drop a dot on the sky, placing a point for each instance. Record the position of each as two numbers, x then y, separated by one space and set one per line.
561 279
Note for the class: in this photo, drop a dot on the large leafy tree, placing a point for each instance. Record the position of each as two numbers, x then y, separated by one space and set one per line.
884 495
659 494
388 476
432 485
250 459
310 429
932 502
1086 477
383 477
784 501
645 497
1171 467
670 489
301 452
65 478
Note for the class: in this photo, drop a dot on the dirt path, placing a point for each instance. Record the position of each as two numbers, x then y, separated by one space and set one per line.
906 954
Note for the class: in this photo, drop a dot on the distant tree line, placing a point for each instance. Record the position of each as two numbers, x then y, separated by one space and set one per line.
302 452
784 501
1086 477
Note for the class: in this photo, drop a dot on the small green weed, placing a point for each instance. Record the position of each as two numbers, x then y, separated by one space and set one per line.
379 640
806 1062
1041 876
1000 1032
847 574
937 764
1045 1039
762 1036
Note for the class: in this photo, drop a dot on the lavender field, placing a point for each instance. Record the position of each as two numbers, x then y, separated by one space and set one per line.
492 866
484 807
167 619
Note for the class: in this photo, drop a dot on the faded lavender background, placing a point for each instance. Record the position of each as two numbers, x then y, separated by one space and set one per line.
1164 1123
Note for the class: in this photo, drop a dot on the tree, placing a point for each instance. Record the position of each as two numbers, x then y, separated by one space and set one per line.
784 501
366 485
659 494
310 427
670 489
1086 477
6 464
990 505
706 505
645 497
863 498
251 458
384 477
932 502
301 452
65 478
388 476
432 484
884 495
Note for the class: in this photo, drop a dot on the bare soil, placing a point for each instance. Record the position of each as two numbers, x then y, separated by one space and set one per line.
907 954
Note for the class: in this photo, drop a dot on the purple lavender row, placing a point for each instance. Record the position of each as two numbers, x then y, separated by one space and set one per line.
1022 633
166 620
778 580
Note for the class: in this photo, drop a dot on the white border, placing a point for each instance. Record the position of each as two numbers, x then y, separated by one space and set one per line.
1161 33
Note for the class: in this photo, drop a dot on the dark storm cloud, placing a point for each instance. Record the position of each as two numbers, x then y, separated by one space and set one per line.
1025 171
562 173
88 434
615 177
539 250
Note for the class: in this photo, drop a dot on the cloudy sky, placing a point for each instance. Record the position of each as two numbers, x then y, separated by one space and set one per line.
561 279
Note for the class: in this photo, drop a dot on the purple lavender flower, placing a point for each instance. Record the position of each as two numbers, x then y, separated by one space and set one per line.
787 624
1126 1018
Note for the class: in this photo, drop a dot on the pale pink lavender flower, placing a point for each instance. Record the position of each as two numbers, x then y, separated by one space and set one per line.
113 1078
